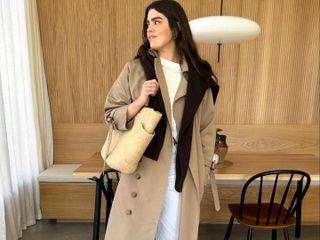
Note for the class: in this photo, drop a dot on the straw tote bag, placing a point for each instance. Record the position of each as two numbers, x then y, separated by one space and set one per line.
123 150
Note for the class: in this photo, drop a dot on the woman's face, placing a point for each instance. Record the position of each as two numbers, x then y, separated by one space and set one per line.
159 33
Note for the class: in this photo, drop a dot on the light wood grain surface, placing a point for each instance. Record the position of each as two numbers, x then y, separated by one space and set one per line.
273 79
243 166
246 165
68 200
230 181
280 139
92 167
76 143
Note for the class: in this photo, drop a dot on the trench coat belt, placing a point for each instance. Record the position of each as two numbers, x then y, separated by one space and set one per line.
214 189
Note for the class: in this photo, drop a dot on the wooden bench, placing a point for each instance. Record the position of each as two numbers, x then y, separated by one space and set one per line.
75 143
66 197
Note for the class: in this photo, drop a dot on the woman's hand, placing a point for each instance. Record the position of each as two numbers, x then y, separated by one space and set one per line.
149 88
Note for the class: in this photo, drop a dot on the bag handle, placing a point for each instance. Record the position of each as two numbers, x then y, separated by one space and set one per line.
112 127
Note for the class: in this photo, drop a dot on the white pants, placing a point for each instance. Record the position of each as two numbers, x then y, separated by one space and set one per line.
169 222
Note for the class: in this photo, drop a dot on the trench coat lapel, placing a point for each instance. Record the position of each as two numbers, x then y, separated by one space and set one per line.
182 89
178 105
163 88
178 102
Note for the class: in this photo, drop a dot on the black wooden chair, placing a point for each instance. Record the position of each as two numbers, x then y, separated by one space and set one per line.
273 210
103 185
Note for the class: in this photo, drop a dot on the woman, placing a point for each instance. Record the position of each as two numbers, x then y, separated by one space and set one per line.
161 199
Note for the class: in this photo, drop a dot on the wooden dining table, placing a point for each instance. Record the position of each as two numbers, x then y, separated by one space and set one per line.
240 167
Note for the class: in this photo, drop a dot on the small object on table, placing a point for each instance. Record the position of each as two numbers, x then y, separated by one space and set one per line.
221 149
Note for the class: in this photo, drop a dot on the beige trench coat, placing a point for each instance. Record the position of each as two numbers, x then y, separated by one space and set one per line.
137 204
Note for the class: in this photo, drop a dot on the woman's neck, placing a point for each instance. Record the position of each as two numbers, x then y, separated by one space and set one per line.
169 55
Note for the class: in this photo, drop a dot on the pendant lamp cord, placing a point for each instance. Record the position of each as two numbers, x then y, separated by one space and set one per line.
221 7
219 44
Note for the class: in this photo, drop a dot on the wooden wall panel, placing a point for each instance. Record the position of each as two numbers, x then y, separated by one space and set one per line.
75 143
273 79
267 139
279 81
86 43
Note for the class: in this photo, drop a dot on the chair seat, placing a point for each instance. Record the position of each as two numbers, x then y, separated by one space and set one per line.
250 211
297 182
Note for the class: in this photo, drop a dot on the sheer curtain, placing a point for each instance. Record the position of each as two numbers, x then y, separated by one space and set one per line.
26 134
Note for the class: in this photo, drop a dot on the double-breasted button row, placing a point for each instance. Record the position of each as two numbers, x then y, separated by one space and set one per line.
133 194
128 211
138 176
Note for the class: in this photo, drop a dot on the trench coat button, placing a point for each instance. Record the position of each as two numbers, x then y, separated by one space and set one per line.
134 194
128 211
138 176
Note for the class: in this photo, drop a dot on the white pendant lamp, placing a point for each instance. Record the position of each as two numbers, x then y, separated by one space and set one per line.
223 29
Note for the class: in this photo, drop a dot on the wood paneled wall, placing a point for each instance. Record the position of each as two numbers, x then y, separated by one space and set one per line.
76 143
273 79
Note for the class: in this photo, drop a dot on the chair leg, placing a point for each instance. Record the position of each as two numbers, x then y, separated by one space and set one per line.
249 235
286 234
274 234
97 207
298 212
109 200
228 232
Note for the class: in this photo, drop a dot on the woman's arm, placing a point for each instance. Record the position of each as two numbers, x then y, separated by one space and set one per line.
119 103
118 99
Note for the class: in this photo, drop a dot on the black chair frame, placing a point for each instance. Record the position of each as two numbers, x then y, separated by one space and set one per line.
294 206
108 194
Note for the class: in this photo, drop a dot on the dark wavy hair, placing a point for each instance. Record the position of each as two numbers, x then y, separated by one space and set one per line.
179 25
